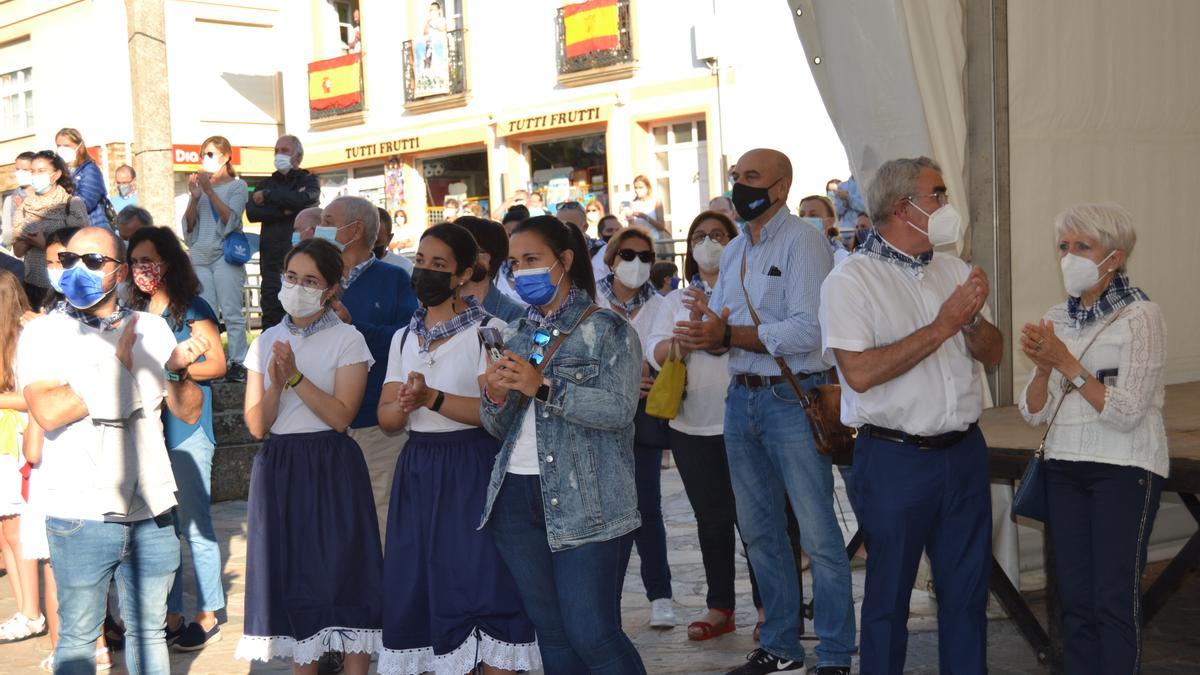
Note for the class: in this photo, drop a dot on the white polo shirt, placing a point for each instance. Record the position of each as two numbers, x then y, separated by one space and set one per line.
867 303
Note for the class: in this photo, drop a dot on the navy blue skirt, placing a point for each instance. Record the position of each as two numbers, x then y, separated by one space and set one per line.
313 562
450 602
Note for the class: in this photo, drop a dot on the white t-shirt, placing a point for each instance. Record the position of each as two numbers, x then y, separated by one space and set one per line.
600 268
524 458
643 321
702 412
318 357
56 347
868 303
457 364
393 258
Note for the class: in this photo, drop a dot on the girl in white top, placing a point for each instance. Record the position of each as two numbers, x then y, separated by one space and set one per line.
451 604
313 558
1107 447
627 291
646 211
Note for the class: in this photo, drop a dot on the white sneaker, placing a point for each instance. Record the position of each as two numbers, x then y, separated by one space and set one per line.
662 613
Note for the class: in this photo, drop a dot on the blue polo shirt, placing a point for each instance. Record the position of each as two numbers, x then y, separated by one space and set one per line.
380 301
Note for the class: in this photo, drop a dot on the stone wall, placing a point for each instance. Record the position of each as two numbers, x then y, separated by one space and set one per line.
235 445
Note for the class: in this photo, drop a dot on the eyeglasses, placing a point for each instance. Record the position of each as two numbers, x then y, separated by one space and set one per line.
943 197
628 254
93 261
289 279
541 338
717 237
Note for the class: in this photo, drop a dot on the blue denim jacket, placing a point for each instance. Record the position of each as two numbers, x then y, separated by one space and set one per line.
584 431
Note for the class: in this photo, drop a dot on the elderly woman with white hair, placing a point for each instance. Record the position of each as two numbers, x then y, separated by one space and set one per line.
1098 381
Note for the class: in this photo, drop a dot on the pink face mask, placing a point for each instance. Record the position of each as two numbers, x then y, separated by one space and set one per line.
148 277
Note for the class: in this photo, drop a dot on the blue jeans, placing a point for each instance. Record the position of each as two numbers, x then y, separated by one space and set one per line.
651 537
772 459
1099 520
934 501
85 555
192 464
572 596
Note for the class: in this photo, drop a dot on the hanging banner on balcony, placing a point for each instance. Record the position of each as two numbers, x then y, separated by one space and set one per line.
335 84
431 58
590 27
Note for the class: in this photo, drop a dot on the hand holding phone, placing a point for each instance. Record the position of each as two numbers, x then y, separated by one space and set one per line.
492 341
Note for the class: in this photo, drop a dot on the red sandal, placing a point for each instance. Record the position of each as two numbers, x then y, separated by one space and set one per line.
706 631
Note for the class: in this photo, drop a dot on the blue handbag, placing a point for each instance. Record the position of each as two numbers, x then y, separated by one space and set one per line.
237 248
1030 498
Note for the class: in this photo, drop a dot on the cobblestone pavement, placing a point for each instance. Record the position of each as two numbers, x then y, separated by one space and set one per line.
1171 644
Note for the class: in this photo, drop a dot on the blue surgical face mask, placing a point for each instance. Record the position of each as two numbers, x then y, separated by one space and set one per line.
817 223
296 237
55 274
82 287
535 286
329 233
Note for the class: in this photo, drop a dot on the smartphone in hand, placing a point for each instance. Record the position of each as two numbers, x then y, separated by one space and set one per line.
492 341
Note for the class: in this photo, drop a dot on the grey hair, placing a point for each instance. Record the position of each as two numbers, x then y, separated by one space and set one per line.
297 149
895 180
1109 224
133 211
358 208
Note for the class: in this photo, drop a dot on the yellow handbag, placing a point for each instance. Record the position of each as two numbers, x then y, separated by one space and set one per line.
667 393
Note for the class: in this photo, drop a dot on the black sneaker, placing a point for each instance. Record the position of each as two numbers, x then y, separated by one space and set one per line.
833 670
236 372
172 635
760 661
195 638
331 663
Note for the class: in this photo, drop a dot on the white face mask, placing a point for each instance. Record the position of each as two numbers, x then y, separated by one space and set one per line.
283 163
1079 274
633 273
210 164
23 177
40 182
593 217
945 225
300 302
707 254
68 154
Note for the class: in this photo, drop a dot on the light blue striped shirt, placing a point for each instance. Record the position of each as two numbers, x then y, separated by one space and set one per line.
784 272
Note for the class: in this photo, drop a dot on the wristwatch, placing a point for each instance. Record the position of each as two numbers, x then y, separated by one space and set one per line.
1079 381
176 375
973 323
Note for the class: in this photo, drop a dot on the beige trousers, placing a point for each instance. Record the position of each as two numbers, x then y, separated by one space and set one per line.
380 450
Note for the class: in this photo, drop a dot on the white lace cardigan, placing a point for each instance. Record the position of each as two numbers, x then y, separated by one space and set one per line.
1129 431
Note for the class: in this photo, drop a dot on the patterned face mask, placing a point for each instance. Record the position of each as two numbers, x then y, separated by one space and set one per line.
148 277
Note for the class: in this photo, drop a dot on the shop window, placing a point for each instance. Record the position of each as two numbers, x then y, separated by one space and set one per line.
455 185
595 41
680 171
571 169
434 57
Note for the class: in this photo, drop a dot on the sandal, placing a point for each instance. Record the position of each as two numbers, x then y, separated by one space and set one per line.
47 664
699 631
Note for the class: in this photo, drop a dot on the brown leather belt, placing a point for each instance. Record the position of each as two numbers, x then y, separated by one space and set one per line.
760 381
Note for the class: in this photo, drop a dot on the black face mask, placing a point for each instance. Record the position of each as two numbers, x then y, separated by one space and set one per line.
606 237
379 251
751 202
431 286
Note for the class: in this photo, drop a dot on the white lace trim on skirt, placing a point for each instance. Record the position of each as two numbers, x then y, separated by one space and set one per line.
308 650
479 647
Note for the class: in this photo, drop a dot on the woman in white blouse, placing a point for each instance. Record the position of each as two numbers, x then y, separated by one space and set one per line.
217 200
1107 448
627 291
313 559
451 604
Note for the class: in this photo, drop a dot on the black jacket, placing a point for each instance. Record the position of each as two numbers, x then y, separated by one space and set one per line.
283 197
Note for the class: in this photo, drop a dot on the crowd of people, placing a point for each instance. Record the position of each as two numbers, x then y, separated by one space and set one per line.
458 453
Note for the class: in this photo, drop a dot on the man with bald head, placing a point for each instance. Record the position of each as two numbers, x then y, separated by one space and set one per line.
763 311
96 377
378 300
275 202
723 205
305 224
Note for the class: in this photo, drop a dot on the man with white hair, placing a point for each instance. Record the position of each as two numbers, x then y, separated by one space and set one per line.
378 300
906 327
275 202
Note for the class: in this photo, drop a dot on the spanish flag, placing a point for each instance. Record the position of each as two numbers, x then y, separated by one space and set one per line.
590 27
335 83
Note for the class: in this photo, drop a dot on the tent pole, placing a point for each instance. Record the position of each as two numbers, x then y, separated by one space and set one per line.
986 33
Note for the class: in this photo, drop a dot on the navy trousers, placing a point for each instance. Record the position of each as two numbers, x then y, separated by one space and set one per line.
1100 517
915 500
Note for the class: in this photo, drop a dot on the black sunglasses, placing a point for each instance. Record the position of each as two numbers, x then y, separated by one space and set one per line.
93 261
570 206
628 254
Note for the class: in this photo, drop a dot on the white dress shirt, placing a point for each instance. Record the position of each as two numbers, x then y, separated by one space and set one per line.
867 303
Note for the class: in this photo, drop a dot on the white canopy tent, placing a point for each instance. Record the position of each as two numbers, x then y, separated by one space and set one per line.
1059 103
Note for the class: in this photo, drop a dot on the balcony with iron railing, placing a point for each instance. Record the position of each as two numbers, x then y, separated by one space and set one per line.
336 95
435 73
599 55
